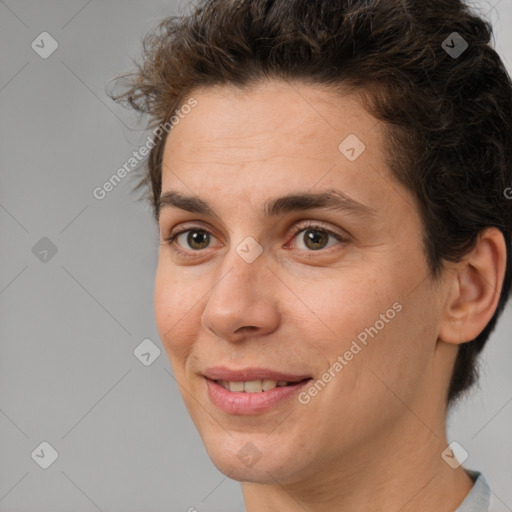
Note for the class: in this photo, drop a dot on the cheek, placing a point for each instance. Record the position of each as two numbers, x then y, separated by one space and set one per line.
174 314
374 322
341 307
371 375
395 356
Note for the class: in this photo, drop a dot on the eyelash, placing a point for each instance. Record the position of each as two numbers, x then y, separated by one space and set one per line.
187 254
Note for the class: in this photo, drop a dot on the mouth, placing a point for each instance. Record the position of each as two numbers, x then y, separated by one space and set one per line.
250 391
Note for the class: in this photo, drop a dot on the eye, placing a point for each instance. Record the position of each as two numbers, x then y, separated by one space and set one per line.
316 237
196 239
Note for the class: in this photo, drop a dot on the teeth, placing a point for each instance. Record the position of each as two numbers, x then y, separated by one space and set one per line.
268 384
236 386
252 386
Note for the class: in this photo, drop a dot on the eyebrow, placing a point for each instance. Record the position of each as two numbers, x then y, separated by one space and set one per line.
298 201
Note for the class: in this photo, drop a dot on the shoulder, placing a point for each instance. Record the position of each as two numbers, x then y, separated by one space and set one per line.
479 498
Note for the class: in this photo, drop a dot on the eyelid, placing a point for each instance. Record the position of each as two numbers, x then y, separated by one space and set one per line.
315 224
194 225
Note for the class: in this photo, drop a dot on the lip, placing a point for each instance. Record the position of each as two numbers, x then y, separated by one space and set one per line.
245 374
242 403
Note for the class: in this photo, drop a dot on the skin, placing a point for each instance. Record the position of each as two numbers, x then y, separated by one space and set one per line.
372 439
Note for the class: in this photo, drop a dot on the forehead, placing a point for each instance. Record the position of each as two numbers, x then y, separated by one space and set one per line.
269 119
240 147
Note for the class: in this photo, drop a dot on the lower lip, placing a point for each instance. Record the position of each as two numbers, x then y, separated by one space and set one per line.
234 402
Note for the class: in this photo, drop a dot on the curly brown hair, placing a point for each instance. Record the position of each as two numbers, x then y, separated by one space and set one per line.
448 117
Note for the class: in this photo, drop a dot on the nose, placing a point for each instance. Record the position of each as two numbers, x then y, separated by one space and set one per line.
242 303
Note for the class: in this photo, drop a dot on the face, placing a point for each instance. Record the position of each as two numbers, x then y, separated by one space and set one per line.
328 294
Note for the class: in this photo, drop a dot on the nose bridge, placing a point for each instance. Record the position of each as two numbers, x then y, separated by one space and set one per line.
243 267
238 286
240 298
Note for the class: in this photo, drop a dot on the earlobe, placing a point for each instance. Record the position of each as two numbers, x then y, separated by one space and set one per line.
475 290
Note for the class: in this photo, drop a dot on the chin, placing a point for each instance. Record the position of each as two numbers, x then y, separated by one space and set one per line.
246 457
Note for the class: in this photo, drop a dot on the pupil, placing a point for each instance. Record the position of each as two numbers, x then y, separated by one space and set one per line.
311 237
194 238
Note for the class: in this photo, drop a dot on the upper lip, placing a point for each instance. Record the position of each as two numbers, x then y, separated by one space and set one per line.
247 374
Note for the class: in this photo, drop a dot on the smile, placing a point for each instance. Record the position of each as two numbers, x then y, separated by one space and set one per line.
252 386
251 391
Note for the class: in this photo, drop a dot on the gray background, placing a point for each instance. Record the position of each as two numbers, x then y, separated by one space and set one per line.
69 325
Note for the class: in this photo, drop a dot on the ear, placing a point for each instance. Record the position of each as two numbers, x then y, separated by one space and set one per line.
474 288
